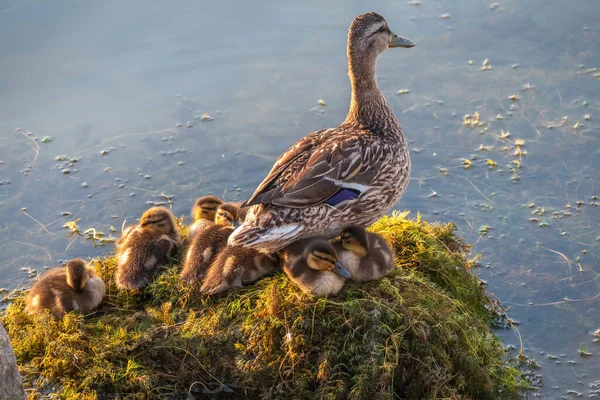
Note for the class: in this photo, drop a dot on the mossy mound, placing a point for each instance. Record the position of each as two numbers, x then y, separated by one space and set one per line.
422 332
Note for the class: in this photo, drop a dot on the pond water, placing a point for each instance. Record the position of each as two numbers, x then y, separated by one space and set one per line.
158 102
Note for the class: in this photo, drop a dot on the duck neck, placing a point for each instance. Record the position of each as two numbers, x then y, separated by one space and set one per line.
368 107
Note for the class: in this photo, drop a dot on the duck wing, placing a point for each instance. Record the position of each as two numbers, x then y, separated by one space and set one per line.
324 167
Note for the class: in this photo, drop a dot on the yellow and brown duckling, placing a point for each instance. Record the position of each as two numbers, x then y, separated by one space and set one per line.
367 256
243 211
208 242
203 213
238 266
146 248
313 265
72 288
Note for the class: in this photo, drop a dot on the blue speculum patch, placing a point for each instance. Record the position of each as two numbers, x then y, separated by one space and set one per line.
342 195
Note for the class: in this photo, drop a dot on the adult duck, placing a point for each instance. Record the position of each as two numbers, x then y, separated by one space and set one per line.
334 178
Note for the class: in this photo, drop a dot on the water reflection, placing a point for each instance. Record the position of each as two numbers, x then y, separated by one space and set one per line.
121 77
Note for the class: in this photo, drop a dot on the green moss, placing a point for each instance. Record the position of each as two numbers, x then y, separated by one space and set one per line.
422 332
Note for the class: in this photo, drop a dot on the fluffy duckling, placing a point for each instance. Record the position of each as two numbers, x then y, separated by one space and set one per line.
238 266
207 243
313 265
203 213
367 256
243 211
146 248
61 290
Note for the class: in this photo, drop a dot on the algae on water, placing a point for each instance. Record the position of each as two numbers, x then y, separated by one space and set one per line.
421 332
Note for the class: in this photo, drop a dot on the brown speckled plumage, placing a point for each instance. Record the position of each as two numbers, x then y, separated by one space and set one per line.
367 154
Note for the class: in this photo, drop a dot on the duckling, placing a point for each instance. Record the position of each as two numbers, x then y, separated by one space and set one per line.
243 211
146 248
208 243
61 290
313 265
367 256
238 266
203 213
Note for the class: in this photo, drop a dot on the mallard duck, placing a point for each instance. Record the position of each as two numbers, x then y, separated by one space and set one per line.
72 288
208 242
334 178
146 247
238 266
367 256
313 265
203 213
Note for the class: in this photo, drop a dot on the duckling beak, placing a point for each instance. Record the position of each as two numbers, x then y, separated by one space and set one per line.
340 270
399 41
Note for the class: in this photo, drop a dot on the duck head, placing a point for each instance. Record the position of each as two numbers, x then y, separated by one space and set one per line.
206 208
227 214
159 219
321 256
354 239
77 274
369 35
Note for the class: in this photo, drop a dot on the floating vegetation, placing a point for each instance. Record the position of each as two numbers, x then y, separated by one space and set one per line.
491 163
422 332
519 148
205 117
322 102
485 65
472 121
403 91
467 163
46 139
97 237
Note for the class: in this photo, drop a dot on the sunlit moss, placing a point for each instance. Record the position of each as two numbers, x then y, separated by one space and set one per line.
422 332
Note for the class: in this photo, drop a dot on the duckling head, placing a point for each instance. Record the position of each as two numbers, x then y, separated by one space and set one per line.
159 219
227 213
77 274
354 239
369 35
206 208
321 256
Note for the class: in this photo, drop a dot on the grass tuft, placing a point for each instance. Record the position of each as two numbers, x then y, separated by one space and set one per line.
421 332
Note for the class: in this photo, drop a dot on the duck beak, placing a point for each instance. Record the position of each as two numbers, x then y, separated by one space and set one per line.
340 270
399 41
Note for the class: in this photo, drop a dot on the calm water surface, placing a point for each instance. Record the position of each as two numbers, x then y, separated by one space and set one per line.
121 88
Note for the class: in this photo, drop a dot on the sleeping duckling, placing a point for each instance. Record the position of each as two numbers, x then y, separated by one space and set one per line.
146 248
61 290
313 265
207 243
203 212
367 256
238 266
